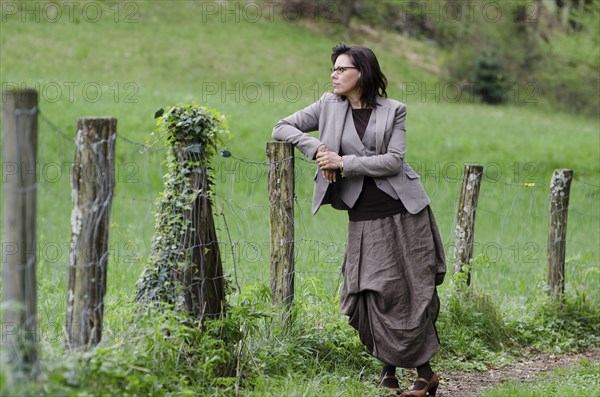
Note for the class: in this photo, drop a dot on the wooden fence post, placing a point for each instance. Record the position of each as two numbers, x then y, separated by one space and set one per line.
19 180
201 276
186 269
93 185
465 218
280 156
560 186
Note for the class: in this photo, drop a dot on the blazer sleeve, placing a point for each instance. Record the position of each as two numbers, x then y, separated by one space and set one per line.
388 163
294 129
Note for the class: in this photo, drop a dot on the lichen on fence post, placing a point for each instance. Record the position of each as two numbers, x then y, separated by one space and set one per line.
465 222
280 156
185 268
560 187
93 186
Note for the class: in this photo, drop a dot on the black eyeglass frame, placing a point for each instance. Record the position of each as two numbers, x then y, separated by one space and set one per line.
342 69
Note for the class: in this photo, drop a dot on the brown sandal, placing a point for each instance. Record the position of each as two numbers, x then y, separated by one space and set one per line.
389 381
429 389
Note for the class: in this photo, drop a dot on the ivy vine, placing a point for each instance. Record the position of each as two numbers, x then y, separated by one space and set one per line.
192 133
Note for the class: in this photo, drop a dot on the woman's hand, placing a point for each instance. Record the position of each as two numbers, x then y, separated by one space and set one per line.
328 162
329 175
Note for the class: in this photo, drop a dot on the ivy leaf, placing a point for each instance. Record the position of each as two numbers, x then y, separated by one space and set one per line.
159 113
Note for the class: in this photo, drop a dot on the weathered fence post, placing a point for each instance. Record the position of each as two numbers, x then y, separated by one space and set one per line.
465 218
280 156
560 186
186 269
19 179
93 181
201 277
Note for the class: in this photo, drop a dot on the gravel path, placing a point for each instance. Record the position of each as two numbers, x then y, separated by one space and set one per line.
471 384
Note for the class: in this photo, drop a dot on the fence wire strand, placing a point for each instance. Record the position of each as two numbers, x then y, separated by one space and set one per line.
511 225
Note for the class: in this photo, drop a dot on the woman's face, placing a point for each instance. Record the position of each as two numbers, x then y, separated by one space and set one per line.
345 83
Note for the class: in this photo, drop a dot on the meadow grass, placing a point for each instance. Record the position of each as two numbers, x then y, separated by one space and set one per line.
583 380
172 54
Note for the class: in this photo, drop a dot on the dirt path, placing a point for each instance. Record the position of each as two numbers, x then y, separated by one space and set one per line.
470 384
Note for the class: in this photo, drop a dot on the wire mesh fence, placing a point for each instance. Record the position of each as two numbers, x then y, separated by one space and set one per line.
510 233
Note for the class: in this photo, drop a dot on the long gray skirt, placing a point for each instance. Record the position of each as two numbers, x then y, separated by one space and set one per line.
390 270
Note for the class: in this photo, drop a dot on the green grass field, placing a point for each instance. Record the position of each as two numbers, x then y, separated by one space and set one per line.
139 57
584 380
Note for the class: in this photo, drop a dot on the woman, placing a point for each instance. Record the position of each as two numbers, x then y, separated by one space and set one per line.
394 255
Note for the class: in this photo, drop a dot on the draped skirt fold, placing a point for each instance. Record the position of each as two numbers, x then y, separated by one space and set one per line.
391 268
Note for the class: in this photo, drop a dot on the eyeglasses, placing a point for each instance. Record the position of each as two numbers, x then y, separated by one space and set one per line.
341 69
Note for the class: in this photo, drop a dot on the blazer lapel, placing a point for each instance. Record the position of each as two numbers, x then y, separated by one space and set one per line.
381 120
340 119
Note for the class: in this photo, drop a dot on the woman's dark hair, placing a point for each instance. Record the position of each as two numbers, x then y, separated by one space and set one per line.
372 80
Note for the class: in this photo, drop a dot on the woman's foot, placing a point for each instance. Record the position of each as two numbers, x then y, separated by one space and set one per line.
389 382
388 378
423 387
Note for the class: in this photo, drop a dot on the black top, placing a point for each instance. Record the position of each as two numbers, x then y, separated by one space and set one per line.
373 203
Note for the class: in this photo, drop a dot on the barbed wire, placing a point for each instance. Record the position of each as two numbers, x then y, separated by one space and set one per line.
56 129
241 211
586 183
243 208
149 147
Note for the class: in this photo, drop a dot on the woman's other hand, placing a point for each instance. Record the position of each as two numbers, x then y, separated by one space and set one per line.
329 175
329 162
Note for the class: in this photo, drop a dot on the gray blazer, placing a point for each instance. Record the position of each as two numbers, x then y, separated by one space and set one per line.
381 156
